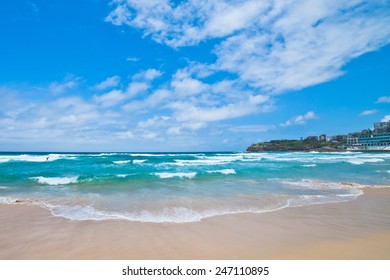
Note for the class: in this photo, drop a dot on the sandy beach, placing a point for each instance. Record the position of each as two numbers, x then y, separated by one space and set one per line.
359 229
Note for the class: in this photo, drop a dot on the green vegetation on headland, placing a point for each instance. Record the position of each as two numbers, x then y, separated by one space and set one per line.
367 140
296 146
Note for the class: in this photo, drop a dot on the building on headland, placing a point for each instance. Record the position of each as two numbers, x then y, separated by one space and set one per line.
382 125
370 140
312 138
322 137
338 138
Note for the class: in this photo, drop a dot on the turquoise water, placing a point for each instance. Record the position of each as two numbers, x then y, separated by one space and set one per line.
184 187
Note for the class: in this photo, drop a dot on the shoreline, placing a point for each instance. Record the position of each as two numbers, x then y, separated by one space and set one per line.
357 229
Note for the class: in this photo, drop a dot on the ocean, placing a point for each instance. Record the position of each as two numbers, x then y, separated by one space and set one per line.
184 187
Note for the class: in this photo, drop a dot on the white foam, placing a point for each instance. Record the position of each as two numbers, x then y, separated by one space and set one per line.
139 161
165 215
121 162
318 184
223 171
123 175
151 155
3 188
207 160
359 161
7 200
36 158
54 181
309 165
164 175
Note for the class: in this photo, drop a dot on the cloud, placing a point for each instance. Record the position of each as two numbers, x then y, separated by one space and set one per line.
124 135
108 83
368 112
386 118
300 120
148 75
119 15
274 45
189 113
150 135
383 99
152 122
141 84
111 98
69 83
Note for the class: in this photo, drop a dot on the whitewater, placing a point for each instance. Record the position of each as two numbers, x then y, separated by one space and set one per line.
185 187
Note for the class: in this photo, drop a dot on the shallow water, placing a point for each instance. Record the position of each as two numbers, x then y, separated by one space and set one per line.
185 187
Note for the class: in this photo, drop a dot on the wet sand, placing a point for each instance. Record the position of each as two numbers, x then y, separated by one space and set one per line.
359 229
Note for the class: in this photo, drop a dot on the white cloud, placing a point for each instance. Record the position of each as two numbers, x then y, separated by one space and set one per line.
148 135
188 86
108 83
136 88
111 98
300 120
386 118
368 112
120 15
275 45
186 112
59 88
148 75
124 135
155 121
383 99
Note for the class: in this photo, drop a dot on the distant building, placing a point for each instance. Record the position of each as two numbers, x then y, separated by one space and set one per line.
312 138
338 138
382 125
379 139
323 137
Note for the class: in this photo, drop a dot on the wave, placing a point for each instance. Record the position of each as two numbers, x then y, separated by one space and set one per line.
36 158
54 181
309 165
206 160
364 160
164 175
223 171
165 215
123 175
185 214
139 161
121 162
318 184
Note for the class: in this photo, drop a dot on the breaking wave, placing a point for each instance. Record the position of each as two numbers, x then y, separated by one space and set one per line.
164 175
54 181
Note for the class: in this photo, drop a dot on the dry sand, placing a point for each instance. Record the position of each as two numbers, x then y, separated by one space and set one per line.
359 229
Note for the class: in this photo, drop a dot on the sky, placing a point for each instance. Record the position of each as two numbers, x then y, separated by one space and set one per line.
192 75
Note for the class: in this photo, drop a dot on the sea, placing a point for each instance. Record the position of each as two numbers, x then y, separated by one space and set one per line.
185 187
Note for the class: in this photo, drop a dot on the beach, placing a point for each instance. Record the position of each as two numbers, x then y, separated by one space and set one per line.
357 229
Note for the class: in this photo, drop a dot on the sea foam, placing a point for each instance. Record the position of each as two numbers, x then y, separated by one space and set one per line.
121 162
164 175
223 171
54 181
139 161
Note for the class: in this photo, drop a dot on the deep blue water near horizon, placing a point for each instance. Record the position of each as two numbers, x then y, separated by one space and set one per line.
184 187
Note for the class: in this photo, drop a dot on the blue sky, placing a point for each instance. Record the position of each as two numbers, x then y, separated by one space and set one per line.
94 75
